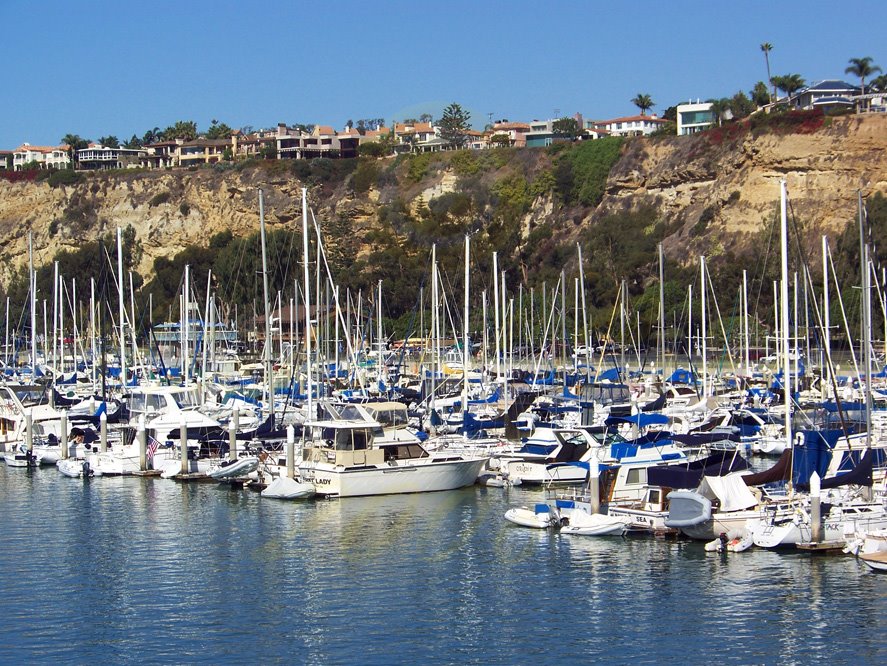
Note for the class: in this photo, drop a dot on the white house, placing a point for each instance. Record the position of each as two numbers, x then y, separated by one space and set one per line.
631 125
97 156
46 157
827 94
694 117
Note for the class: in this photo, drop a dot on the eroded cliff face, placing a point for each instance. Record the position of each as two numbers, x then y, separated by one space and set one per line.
737 181
728 181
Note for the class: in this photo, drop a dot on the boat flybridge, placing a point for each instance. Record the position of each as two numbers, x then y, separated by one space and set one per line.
342 457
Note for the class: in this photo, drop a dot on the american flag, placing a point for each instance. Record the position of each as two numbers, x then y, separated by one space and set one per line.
153 445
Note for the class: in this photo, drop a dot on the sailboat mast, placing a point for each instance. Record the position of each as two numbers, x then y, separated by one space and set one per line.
786 364
661 311
826 335
496 308
33 278
747 358
866 321
307 287
702 295
269 379
465 336
186 323
122 310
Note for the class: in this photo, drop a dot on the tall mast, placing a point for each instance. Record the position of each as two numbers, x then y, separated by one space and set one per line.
702 295
307 287
122 310
186 324
866 321
269 379
496 307
32 276
786 364
662 311
826 334
745 320
465 336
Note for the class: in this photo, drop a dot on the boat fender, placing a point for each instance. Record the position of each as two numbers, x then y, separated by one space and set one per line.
85 468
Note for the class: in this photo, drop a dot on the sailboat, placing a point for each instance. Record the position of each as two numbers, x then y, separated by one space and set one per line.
798 519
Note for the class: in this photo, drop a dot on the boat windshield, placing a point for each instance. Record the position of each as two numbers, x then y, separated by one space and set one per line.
186 399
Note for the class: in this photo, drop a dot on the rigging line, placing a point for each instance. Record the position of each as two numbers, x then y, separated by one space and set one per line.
763 273
714 297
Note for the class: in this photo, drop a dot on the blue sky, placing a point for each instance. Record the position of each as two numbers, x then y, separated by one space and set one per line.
94 67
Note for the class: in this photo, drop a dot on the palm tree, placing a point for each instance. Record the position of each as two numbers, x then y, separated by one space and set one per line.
862 67
879 83
789 84
643 102
74 143
766 47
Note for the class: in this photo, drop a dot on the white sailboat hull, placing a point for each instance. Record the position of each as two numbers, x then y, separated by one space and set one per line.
391 479
797 529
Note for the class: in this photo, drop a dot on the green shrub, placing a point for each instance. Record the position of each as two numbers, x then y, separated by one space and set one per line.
158 199
373 149
418 166
581 172
465 163
366 174
64 177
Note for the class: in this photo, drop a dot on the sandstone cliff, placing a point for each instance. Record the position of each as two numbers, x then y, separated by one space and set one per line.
727 180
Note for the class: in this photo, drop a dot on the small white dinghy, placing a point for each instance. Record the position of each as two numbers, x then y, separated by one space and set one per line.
595 524
18 459
730 543
284 487
76 468
541 516
235 469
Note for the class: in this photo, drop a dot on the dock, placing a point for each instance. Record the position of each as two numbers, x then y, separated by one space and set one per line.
821 546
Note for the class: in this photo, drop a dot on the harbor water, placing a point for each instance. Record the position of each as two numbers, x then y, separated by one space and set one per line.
143 570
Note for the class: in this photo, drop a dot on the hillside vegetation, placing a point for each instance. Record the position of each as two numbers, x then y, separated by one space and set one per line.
714 194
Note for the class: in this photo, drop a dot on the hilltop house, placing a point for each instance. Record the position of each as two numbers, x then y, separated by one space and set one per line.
46 157
97 157
516 132
631 125
322 141
694 117
827 95
6 160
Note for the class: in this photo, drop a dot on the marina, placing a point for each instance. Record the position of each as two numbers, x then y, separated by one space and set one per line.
136 570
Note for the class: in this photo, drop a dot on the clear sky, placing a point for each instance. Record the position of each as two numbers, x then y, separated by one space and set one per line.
121 67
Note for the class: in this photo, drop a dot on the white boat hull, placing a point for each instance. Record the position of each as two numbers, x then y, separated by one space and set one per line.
391 479
76 468
595 524
284 487
537 518
797 528
234 469
538 473
876 561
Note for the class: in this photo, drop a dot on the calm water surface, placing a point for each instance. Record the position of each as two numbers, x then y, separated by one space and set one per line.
126 570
